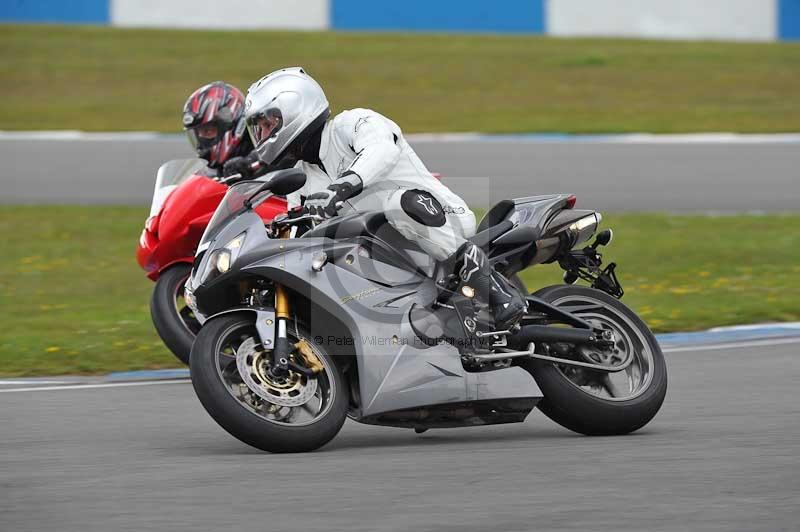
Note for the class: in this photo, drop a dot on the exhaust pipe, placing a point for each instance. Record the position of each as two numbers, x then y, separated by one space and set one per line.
583 229
547 334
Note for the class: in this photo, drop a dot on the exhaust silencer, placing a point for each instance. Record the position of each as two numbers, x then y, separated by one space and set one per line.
547 334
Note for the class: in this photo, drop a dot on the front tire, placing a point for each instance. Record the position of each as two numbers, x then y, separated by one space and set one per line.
596 403
173 320
242 412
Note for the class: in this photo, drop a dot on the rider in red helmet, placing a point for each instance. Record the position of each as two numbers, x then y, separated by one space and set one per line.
213 118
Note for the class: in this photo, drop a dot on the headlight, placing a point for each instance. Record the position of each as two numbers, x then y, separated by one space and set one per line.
220 260
236 243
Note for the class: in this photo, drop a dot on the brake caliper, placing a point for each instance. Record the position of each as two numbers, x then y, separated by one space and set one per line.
310 358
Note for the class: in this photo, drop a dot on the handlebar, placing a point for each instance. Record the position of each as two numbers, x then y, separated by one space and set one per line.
299 216
230 179
296 218
254 167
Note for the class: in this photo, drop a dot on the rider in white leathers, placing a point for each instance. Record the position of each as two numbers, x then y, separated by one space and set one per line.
366 144
360 160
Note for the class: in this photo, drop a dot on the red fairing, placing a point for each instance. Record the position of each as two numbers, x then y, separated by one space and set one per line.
173 234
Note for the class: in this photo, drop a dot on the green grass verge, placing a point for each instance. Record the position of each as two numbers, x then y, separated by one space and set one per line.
95 78
73 299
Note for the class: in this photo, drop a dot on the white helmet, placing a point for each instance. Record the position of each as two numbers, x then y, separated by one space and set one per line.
281 108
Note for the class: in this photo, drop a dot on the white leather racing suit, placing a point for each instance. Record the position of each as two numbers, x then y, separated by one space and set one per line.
394 181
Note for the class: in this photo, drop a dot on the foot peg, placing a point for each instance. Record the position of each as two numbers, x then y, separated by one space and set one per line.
506 354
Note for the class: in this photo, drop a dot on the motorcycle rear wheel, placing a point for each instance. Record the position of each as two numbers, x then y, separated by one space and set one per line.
174 321
242 411
596 403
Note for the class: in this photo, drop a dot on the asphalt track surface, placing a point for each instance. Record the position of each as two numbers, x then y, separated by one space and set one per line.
737 177
721 455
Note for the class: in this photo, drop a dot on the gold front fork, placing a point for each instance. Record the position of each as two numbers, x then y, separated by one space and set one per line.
280 354
281 297
282 348
281 302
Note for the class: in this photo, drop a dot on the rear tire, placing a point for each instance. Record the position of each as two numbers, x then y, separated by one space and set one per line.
571 406
240 419
166 305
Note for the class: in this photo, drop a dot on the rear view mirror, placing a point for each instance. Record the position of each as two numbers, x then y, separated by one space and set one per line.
284 182
281 183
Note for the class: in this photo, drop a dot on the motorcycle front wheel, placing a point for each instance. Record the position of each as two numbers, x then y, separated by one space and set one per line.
174 321
295 413
599 403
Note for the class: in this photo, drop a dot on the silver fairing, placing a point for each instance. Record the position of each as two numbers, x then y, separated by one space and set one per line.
396 369
256 238
372 299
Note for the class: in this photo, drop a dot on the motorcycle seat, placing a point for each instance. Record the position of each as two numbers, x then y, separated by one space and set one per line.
494 223
531 215
497 214
485 237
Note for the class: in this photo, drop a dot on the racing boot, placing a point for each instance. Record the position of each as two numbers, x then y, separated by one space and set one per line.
505 301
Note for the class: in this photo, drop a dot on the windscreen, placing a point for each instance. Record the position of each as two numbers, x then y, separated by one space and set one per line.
230 206
170 176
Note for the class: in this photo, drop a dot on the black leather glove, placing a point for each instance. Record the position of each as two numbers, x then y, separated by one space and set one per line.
246 166
326 202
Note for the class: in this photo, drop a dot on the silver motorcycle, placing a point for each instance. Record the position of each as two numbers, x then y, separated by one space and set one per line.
308 323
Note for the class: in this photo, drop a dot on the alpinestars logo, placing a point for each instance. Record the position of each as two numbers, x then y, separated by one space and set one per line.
360 122
471 263
427 203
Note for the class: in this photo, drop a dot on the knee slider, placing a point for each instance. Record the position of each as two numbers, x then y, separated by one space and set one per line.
423 208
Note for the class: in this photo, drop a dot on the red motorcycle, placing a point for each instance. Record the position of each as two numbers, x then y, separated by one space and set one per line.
183 202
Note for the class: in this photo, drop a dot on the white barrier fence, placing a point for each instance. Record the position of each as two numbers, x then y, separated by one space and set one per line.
750 20
229 14
746 20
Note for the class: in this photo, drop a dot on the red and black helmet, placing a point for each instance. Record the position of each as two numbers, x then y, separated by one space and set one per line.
213 120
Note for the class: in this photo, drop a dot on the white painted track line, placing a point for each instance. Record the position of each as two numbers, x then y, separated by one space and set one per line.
94 386
682 349
733 345
18 383
602 138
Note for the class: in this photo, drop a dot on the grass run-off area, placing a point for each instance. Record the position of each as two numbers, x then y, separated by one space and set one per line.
73 299
93 78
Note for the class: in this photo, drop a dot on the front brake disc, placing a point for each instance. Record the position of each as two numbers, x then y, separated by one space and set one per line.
294 390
